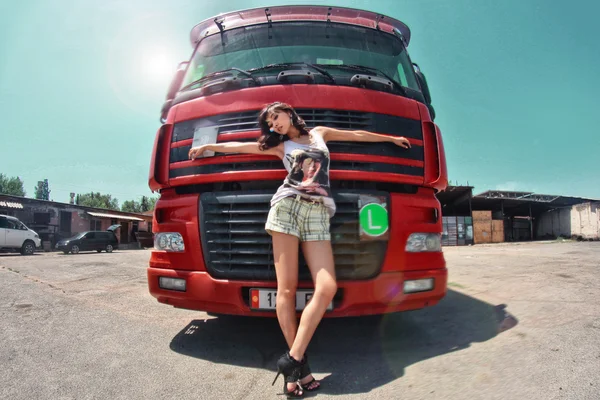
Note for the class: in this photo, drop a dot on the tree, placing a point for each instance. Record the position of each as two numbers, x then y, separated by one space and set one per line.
97 200
145 204
12 186
42 190
148 203
131 206
152 203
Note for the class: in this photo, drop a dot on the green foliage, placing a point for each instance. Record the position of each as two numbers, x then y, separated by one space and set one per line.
42 190
12 186
145 204
131 206
97 200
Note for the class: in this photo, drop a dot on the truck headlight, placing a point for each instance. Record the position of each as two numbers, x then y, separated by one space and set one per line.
169 241
421 242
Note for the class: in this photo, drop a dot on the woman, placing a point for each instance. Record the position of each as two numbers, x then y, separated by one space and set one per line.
299 214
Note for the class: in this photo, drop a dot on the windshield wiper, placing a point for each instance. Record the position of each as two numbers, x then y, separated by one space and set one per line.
371 70
227 71
292 64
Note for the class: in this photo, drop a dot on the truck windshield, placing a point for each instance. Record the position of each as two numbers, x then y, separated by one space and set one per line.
317 43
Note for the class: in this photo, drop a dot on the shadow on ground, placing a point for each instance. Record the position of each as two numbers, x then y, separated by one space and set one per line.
361 353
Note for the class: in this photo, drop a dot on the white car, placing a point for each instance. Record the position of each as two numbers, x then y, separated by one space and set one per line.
15 236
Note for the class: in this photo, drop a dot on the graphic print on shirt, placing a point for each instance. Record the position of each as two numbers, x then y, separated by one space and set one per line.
309 171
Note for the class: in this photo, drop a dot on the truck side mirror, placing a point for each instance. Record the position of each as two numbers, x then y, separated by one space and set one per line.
164 111
424 89
422 83
173 89
177 80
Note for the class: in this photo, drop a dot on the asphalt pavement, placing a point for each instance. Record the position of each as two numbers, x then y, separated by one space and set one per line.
519 322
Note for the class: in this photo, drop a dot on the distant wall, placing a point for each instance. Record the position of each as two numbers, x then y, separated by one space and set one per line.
554 223
79 222
585 220
581 221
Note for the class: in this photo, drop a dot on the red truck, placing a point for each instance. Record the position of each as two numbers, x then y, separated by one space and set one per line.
338 67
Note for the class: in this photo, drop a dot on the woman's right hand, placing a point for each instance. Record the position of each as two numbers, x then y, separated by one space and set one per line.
198 151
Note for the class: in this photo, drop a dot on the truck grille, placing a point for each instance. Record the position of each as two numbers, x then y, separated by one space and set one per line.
236 245
340 119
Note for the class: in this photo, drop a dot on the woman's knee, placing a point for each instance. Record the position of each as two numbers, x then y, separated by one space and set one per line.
286 293
327 288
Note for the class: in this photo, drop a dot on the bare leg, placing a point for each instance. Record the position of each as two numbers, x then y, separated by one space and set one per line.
285 253
319 257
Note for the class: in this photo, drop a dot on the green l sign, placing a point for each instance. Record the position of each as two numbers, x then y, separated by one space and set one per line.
373 219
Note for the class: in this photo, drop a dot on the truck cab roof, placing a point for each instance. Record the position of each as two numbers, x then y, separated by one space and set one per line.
351 16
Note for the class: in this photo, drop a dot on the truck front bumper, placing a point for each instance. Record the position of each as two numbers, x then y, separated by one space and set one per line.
381 295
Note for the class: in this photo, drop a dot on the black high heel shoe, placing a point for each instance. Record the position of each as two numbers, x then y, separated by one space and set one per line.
304 372
290 369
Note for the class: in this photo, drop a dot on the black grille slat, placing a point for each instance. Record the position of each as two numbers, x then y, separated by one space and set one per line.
259 262
377 149
263 250
376 167
341 119
240 250
337 122
239 129
337 119
224 121
235 231
251 119
243 212
228 220
238 247
256 262
240 241
251 126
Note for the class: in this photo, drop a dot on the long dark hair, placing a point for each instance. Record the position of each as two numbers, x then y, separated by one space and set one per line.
270 139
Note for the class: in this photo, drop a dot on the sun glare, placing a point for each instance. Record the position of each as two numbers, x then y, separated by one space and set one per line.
158 66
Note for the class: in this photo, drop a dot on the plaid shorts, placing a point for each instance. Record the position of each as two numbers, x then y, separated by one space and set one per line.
304 219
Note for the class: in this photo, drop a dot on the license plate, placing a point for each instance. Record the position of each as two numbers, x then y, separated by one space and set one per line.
266 299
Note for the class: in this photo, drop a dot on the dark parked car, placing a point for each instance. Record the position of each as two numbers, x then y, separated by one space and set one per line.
90 241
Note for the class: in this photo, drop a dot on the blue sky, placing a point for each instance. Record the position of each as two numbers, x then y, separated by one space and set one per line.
515 85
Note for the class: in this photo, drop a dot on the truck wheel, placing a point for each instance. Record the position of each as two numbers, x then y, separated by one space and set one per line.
28 248
74 249
109 248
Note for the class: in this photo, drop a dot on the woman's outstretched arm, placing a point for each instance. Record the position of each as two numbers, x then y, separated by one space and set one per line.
235 147
331 134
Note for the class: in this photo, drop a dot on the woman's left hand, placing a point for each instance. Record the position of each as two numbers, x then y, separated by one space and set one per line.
401 141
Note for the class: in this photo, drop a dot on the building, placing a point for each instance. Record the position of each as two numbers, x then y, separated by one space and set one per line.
507 216
54 221
457 216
